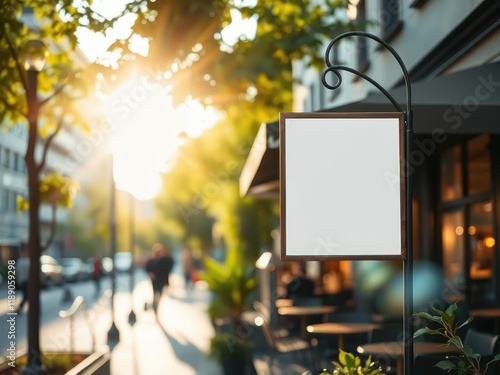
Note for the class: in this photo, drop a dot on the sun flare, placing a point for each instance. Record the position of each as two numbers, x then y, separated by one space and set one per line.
147 133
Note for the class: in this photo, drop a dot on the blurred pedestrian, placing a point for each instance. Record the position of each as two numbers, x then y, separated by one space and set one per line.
97 274
22 276
187 262
158 268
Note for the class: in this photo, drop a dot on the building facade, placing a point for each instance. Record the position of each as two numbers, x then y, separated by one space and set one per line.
452 53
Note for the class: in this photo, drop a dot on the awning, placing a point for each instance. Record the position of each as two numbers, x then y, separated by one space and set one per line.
260 174
465 102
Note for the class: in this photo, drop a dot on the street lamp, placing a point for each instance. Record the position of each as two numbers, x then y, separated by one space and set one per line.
113 333
131 316
33 56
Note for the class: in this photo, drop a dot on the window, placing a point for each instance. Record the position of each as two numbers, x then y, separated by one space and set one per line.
451 174
467 230
478 165
390 18
5 157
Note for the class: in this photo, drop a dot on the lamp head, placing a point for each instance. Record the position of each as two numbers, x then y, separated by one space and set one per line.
33 55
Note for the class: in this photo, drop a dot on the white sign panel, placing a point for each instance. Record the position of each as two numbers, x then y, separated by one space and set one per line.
342 190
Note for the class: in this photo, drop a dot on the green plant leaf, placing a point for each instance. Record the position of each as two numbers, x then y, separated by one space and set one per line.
427 330
470 319
457 341
428 316
446 365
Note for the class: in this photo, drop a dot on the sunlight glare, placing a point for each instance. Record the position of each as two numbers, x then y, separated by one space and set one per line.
147 133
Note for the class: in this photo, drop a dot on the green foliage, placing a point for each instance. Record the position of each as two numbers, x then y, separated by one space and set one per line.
448 328
231 283
55 189
349 364
229 347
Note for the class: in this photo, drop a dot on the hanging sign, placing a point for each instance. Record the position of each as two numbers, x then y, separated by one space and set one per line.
342 186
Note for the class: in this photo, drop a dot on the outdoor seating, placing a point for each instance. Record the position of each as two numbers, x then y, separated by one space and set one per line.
485 344
279 343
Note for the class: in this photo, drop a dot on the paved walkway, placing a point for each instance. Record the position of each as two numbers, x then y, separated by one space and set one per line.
176 343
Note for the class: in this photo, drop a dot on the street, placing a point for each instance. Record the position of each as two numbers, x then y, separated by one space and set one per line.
56 332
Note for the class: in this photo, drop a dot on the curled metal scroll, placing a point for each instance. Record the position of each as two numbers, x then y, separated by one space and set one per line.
335 69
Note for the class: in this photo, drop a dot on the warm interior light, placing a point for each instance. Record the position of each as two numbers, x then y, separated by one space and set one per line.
459 230
472 230
488 241
33 55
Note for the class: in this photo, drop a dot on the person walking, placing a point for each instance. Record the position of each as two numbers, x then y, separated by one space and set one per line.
187 262
158 268
22 276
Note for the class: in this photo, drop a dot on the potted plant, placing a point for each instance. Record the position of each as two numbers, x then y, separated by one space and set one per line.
349 364
467 361
231 283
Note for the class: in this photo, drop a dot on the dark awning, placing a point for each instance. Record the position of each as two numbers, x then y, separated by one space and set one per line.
465 102
260 174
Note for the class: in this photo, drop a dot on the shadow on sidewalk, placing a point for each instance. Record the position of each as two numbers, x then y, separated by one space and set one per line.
185 352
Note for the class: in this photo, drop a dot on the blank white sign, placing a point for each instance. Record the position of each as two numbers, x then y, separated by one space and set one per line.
342 191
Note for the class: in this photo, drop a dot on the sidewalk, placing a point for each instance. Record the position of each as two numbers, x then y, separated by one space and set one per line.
175 344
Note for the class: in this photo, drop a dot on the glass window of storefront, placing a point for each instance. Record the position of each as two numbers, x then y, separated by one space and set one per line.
467 233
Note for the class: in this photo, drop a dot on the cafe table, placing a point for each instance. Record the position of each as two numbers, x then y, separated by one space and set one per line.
490 312
341 329
284 302
395 350
304 312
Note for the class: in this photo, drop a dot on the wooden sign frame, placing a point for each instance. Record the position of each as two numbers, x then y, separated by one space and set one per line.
342 186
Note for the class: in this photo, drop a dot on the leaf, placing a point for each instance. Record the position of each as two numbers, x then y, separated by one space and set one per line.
457 341
446 365
427 330
428 316
470 319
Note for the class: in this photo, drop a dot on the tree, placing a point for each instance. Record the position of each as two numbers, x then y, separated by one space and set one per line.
45 103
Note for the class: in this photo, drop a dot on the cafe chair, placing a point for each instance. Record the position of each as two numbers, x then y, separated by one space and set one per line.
280 344
388 332
482 342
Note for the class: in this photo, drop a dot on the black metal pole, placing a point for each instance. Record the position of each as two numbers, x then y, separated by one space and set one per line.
131 316
408 140
34 366
113 333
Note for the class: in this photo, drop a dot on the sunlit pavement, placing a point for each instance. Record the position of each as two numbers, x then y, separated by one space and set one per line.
176 343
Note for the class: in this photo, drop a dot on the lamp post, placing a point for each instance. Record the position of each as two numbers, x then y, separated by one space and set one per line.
131 316
33 57
113 333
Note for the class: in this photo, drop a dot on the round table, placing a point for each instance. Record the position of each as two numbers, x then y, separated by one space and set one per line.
341 329
304 312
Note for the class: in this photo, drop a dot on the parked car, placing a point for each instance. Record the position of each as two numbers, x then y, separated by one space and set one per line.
107 265
74 269
51 271
122 261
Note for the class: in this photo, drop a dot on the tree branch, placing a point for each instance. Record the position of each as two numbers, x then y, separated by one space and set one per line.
48 142
56 91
